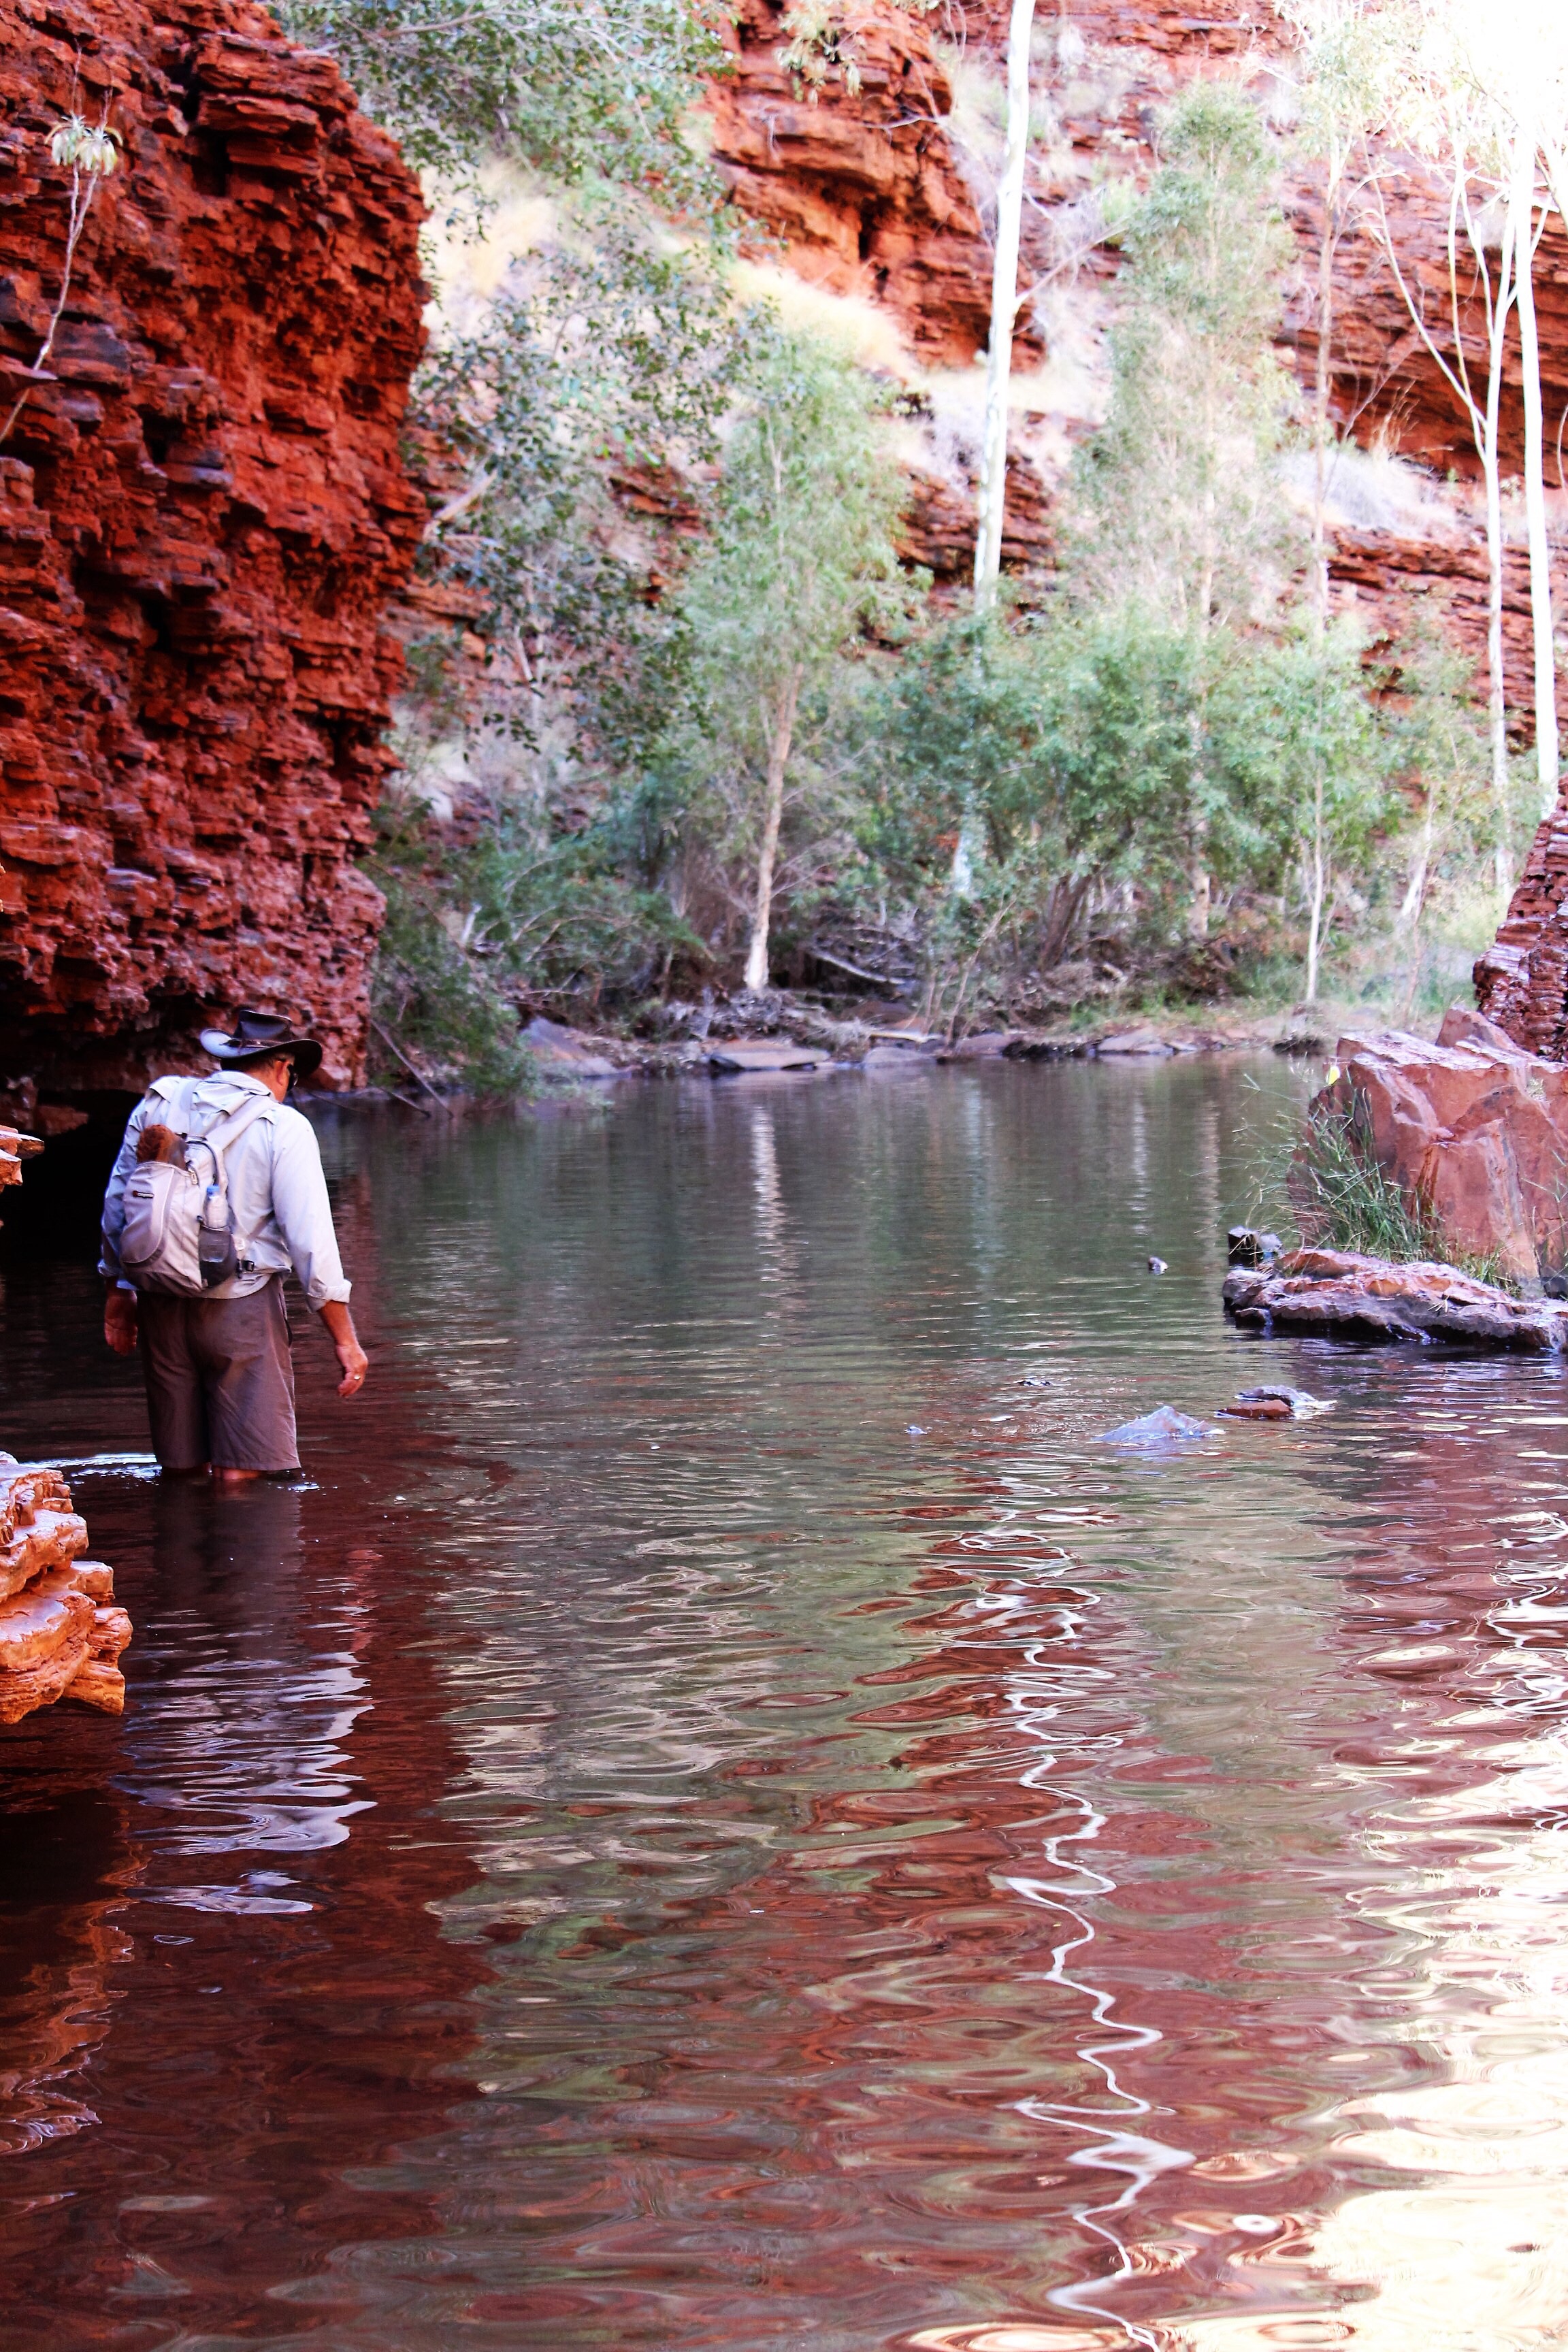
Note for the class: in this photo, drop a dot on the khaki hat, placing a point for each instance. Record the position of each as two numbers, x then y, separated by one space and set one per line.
255 1035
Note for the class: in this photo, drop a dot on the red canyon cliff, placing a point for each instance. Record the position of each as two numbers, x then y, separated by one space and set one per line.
202 516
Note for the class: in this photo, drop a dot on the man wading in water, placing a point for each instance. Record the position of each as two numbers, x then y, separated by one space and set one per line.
216 1192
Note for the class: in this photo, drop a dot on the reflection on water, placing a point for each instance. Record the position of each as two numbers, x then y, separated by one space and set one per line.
723 1815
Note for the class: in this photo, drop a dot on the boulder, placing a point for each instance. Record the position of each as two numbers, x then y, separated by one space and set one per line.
1339 1295
1135 1041
1473 1131
561 1053
731 1056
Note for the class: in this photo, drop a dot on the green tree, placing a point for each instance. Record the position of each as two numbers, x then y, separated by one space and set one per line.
1307 739
1440 746
801 562
615 363
581 90
1181 514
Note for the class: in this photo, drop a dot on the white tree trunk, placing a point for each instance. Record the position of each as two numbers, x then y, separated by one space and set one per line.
1488 443
1483 432
781 733
1003 311
1317 890
1521 204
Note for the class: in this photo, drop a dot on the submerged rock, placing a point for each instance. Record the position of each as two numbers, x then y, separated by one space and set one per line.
1163 1426
1135 1041
1344 1296
731 1056
1276 1404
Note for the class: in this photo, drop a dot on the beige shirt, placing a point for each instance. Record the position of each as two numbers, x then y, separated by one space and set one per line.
277 1194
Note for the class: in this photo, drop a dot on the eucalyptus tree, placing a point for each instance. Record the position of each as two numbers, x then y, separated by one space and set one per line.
1486 97
581 90
1180 513
800 560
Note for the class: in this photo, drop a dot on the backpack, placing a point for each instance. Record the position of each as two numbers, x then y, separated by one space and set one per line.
178 1232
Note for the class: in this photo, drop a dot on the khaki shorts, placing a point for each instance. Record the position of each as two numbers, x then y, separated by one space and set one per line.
220 1382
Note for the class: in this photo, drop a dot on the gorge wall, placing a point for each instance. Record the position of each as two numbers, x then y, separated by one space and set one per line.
202 514
876 195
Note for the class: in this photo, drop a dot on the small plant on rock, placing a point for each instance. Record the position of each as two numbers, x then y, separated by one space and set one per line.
90 150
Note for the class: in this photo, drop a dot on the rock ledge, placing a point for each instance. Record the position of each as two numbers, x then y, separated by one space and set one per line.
1342 1296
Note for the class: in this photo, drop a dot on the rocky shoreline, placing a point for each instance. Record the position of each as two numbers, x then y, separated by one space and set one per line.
776 1032
1337 1294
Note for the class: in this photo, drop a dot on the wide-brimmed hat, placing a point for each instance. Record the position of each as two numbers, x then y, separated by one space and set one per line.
262 1032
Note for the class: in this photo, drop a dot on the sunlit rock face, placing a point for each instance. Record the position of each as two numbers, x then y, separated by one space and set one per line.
878 197
200 520
1475 1134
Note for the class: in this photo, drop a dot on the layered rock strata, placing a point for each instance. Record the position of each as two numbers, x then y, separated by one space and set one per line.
1473 1131
61 1633
14 1148
880 193
1521 982
203 512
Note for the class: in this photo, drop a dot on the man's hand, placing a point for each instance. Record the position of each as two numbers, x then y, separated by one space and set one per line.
120 1321
352 1357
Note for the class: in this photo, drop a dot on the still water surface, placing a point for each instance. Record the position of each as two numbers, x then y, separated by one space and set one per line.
721 1814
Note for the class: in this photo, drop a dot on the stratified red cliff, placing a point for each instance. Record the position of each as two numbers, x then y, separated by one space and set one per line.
202 517
877 194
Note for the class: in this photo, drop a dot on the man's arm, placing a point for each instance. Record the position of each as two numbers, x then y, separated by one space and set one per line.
352 1357
304 1217
120 1302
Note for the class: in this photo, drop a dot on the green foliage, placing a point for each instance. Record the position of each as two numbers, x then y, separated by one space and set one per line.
1343 1200
583 90
620 359
1100 750
801 557
799 574
1179 504
430 1004
517 910
1320 754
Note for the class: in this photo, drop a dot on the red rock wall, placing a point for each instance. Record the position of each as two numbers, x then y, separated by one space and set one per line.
863 189
867 194
201 521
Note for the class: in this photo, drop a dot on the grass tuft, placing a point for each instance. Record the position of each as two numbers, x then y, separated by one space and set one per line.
1343 1200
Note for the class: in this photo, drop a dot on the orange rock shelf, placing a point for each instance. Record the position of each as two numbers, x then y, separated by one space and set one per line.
61 1633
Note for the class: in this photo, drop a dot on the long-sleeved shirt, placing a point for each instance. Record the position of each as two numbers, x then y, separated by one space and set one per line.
277 1194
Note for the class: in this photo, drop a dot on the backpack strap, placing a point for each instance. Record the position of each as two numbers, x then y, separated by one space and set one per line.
225 1131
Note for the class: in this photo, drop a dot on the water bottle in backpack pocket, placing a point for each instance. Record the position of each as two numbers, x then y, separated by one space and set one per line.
178 1233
